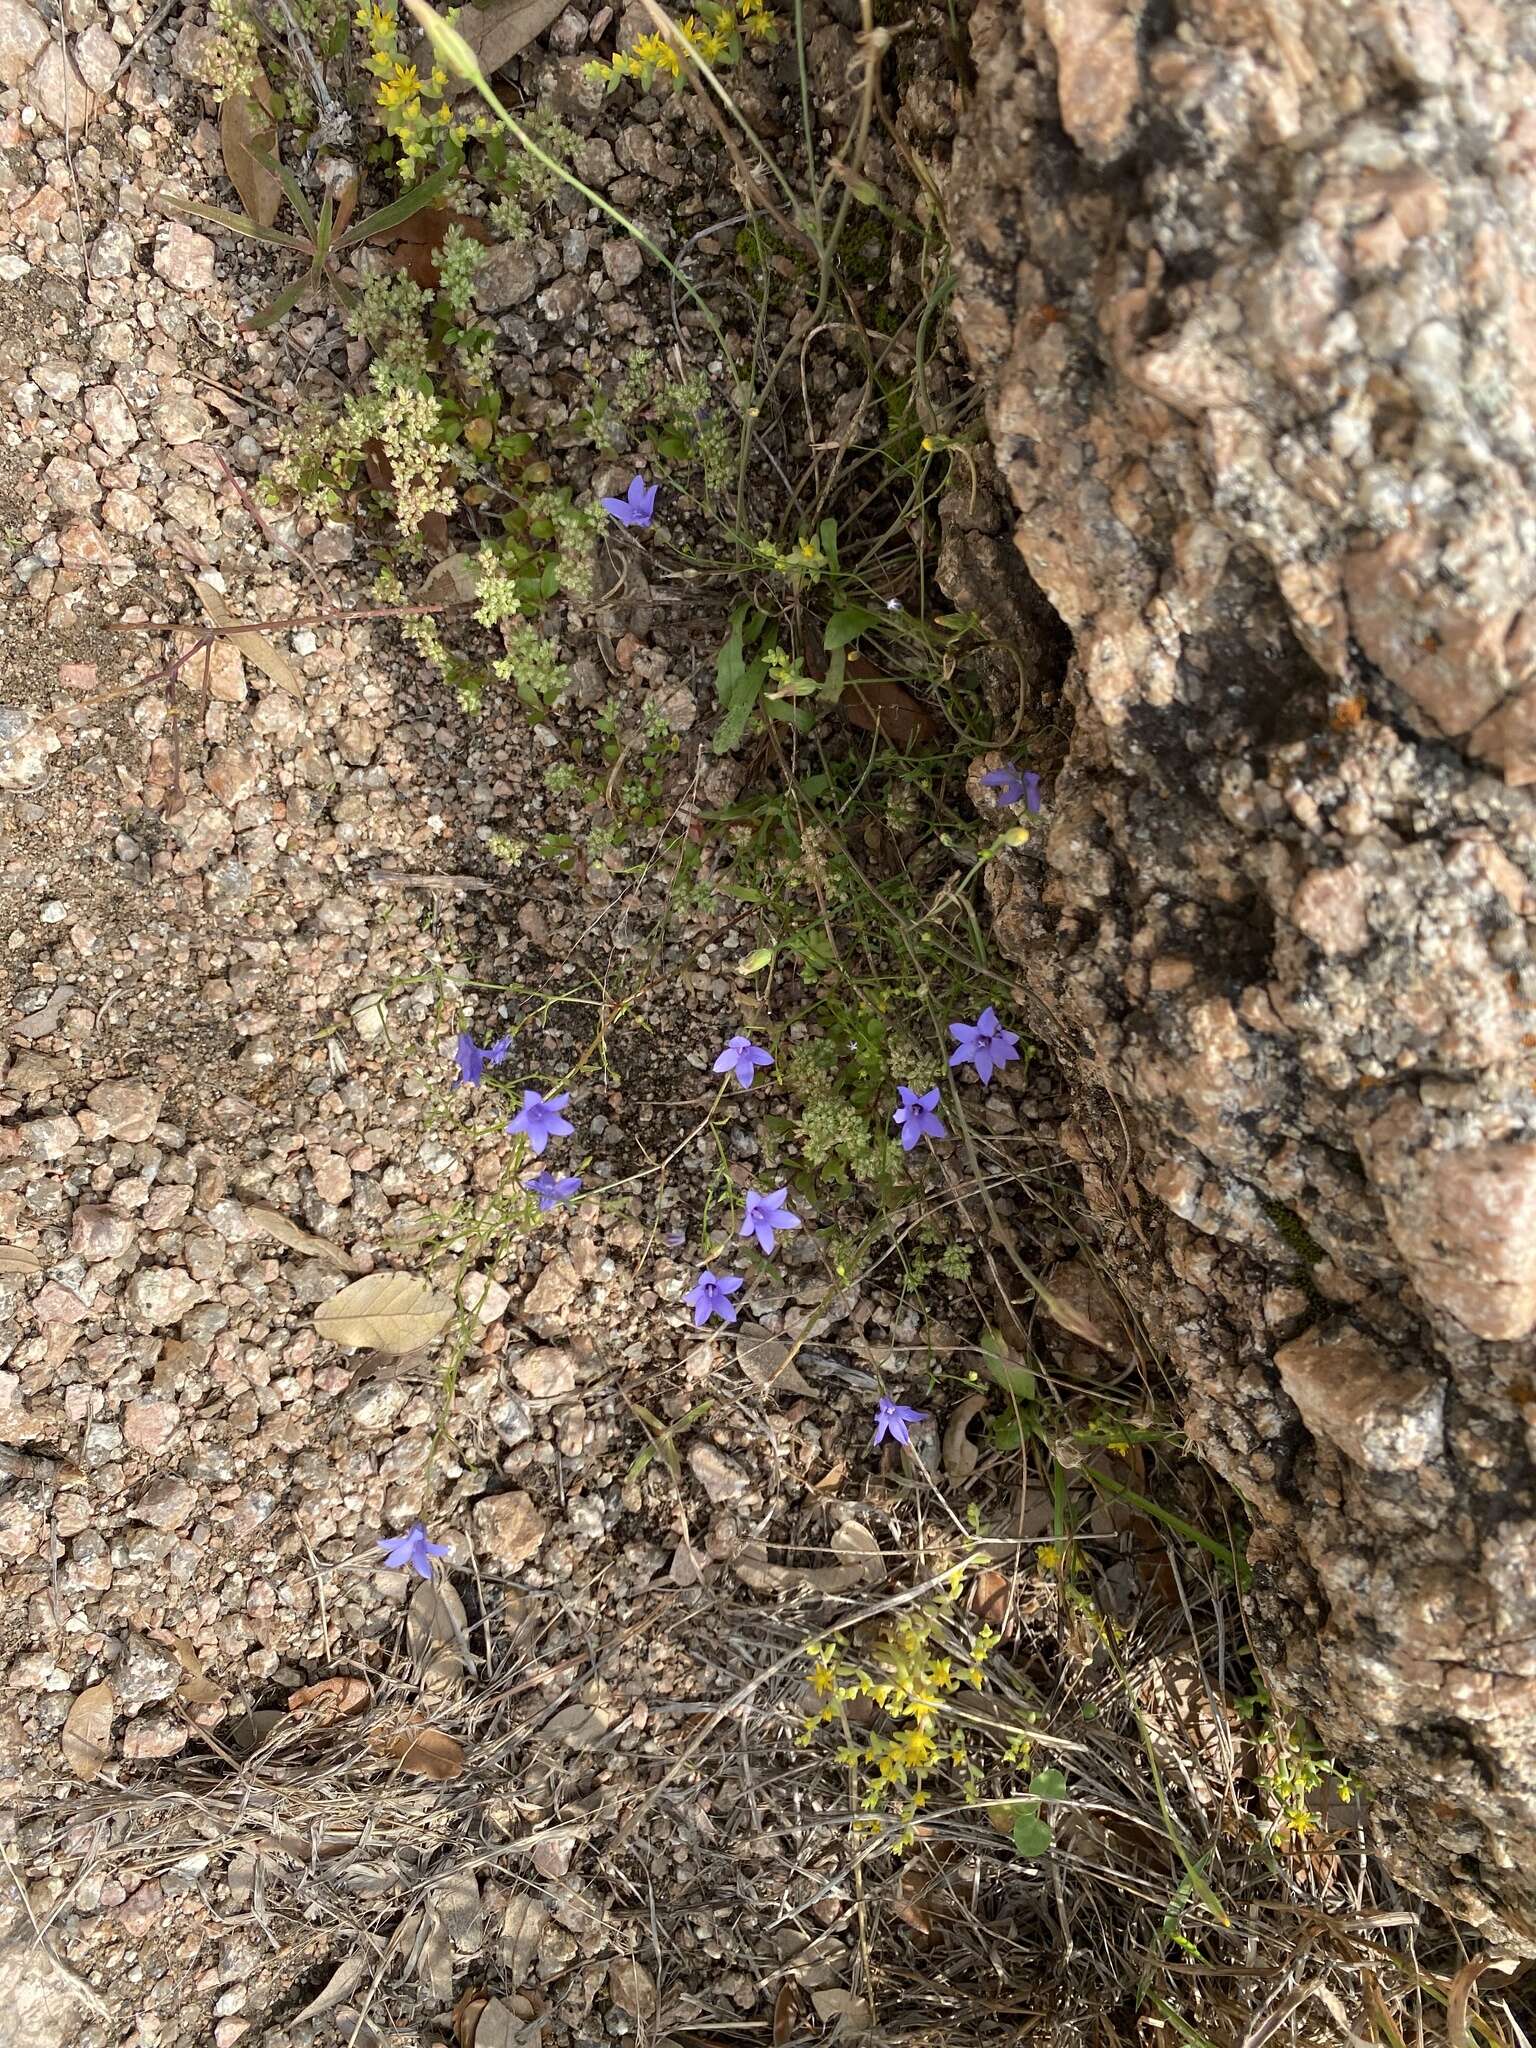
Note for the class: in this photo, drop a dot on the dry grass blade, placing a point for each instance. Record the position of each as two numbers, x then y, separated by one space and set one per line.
252 645
246 126
1457 2004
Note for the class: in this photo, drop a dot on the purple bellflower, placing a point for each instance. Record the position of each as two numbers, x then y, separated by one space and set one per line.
412 1551
917 1117
1031 782
894 1421
762 1215
539 1120
472 1060
710 1295
985 1045
1006 784
742 1058
636 506
553 1188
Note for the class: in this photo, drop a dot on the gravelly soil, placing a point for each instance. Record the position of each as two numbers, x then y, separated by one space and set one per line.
244 918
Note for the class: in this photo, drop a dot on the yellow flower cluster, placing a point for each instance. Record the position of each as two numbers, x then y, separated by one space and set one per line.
717 35
909 1672
413 109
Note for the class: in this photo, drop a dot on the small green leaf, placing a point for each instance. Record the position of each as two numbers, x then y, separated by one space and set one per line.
1008 1373
235 223
1048 1784
1031 1834
284 302
848 624
427 193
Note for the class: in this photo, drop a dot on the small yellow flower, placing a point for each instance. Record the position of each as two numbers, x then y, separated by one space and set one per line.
657 51
401 85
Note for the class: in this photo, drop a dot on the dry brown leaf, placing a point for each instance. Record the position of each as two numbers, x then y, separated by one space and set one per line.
15 1258
344 1982
413 246
960 1454
196 1690
287 1232
769 1362
87 1731
910 1902
424 1752
437 1628
577 1727
456 1901
842 2011
245 126
454 580
465 2016
497 33
393 1312
852 1543
790 2012
989 1596
253 646
346 206
856 1549
500 2027
522 1932
331 1699
434 1960
632 1988
875 704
